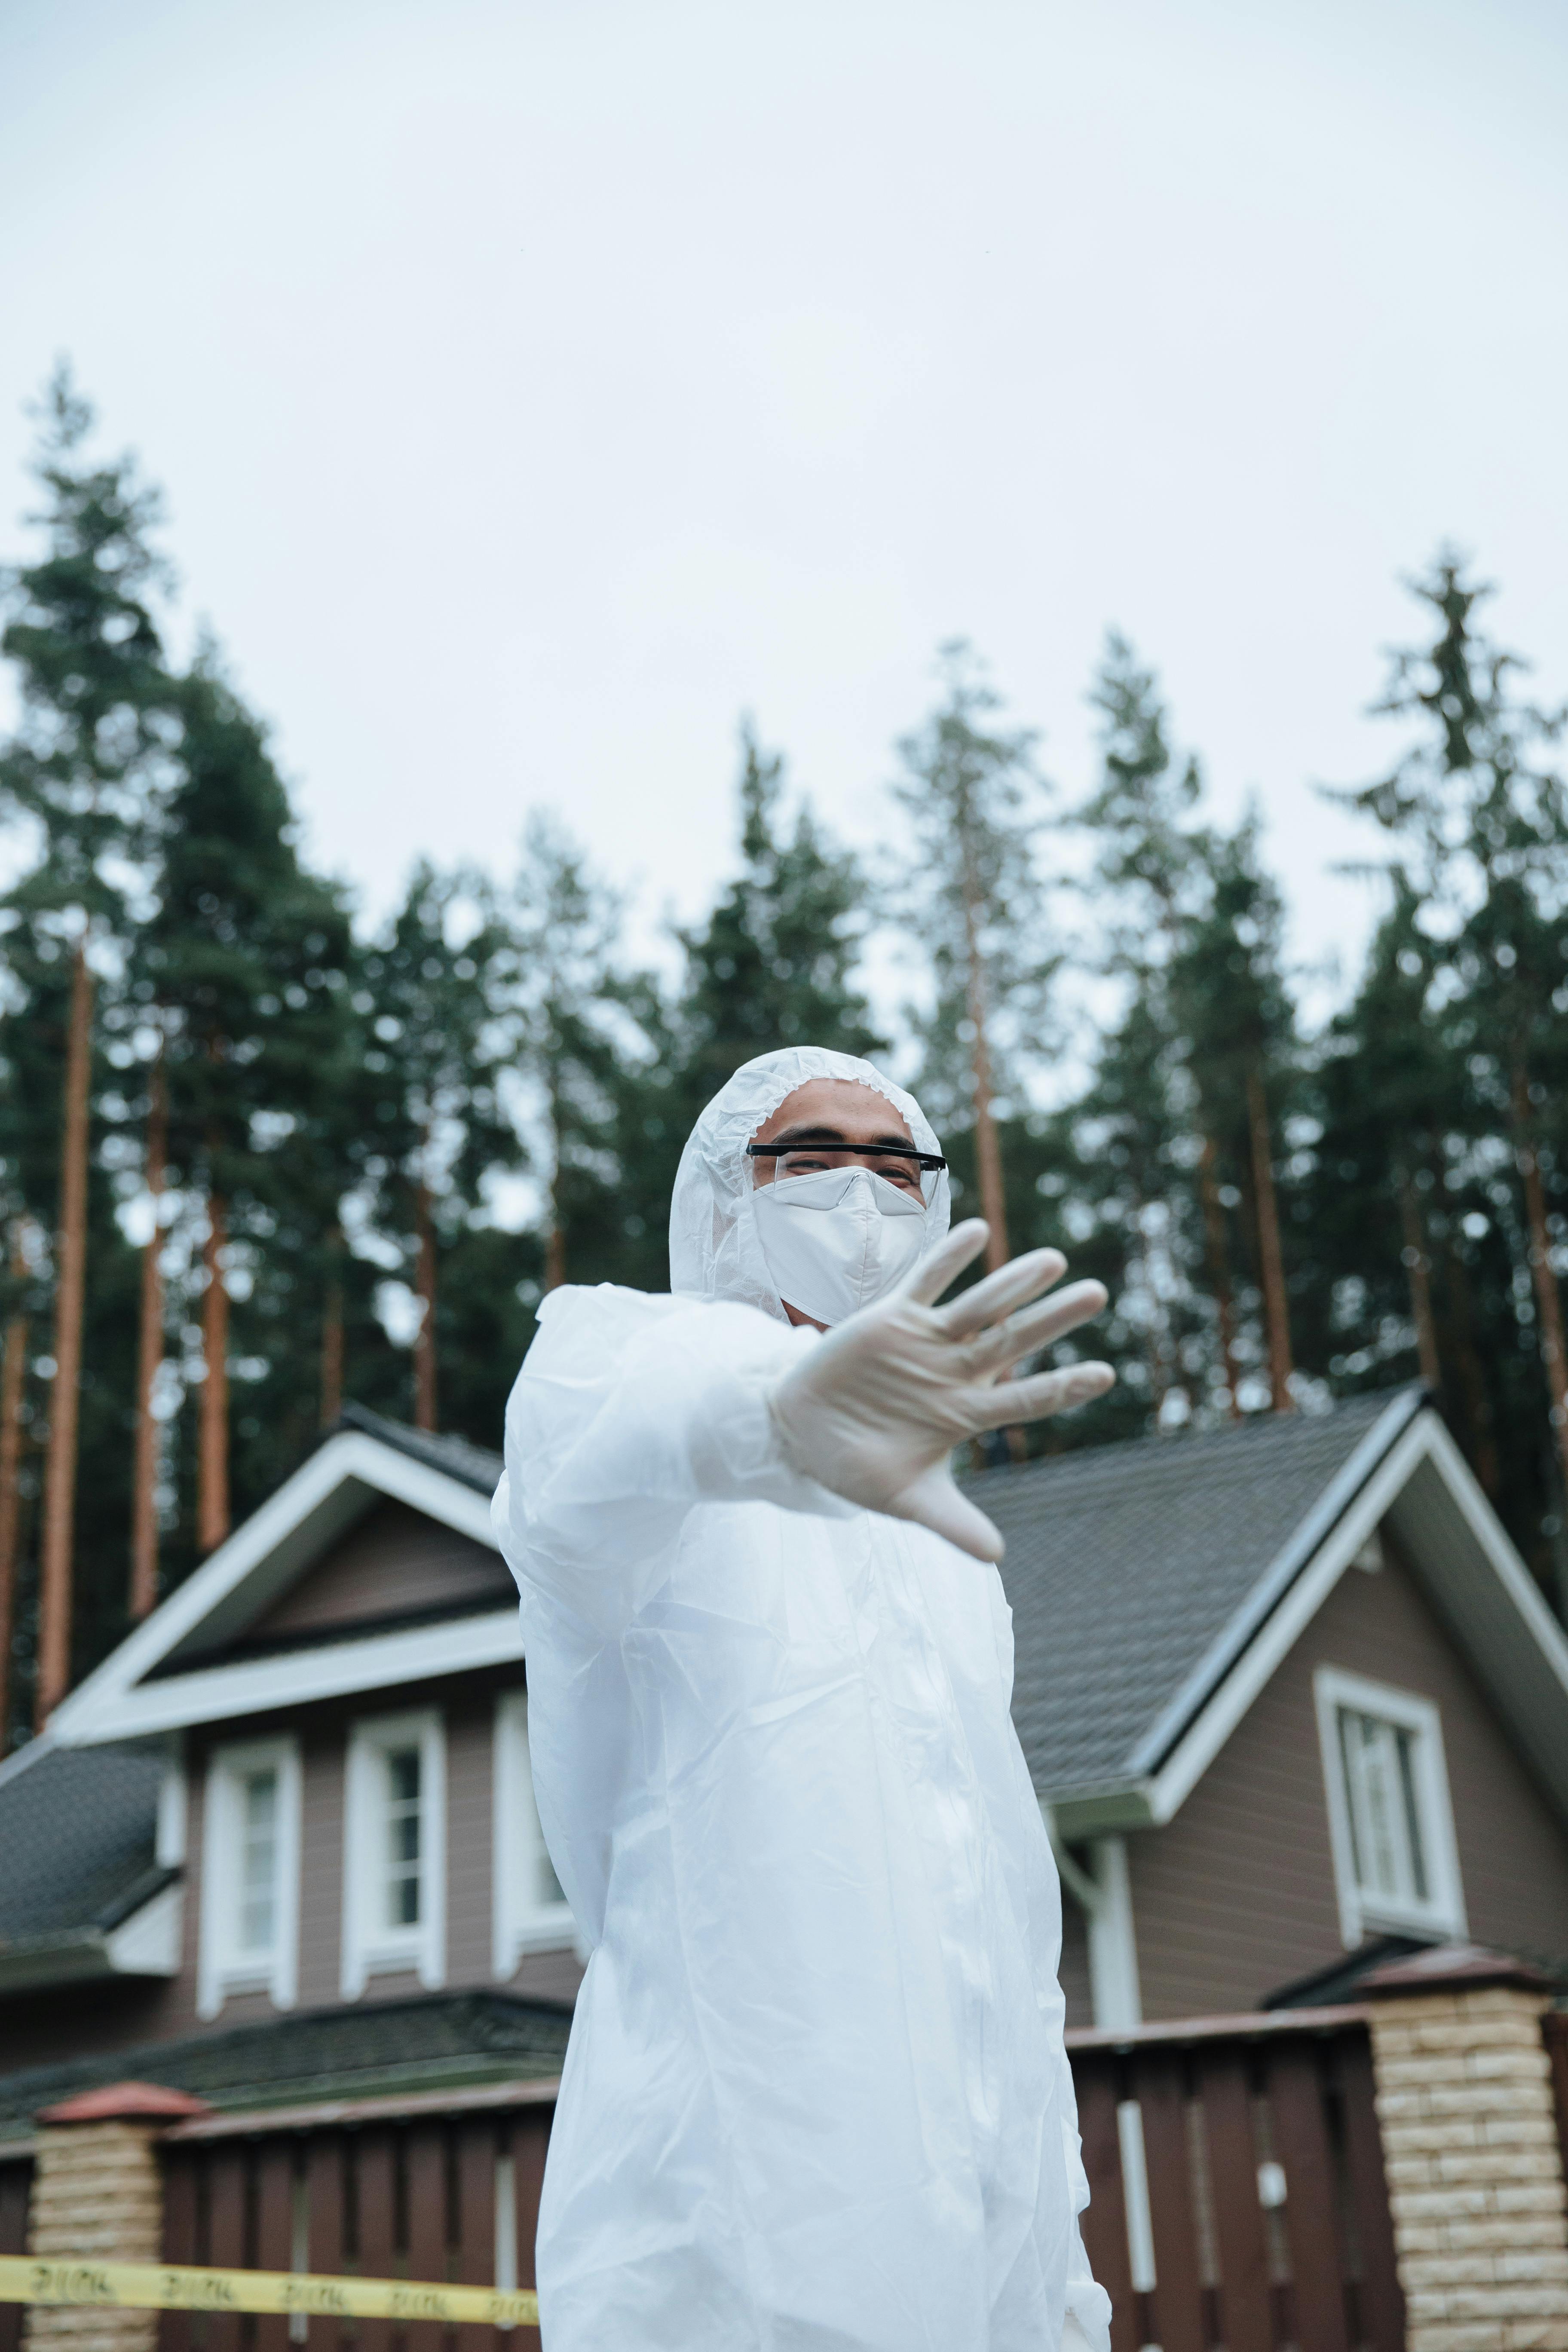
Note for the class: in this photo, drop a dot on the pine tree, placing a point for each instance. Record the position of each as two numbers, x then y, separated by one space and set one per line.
581 1048
241 976
1238 1024
774 964
975 905
1478 810
84 767
1147 883
429 1107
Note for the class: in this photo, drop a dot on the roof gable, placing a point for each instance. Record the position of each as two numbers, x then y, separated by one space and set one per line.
201 1657
1157 1600
394 1565
1127 1565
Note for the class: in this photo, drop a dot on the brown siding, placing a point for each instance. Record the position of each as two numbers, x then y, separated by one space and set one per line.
547 1976
470 1743
1235 1897
322 1747
393 1561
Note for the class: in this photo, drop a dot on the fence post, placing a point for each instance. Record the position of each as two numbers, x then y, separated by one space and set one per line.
1471 2152
97 2196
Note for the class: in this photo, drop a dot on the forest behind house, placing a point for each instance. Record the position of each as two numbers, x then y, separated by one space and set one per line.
259 1158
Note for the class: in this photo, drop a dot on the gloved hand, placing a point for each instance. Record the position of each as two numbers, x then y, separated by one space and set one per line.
874 1411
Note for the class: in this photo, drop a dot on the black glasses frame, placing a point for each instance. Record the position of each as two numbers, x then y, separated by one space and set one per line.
927 1162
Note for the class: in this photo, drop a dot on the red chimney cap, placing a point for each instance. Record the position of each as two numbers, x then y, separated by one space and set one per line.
125 2102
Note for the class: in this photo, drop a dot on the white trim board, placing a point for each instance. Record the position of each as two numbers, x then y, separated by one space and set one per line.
1317 1525
337 1670
1174 1783
221 1967
273 1548
519 1922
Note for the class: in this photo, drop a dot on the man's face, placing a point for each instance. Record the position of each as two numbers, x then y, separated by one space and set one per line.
835 1122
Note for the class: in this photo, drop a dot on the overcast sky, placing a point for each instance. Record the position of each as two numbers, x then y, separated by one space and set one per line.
538 387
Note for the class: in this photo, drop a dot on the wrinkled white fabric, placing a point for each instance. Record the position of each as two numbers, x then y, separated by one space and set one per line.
816 2098
838 1239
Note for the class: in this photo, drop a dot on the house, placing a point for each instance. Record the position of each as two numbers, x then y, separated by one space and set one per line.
300 1786
1288 1697
1287 1693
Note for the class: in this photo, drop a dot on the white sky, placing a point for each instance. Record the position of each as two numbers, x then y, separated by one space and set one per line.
537 385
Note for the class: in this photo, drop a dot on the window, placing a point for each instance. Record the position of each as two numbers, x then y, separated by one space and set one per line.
1390 1821
250 1875
530 1911
394 1819
259 1858
400 1883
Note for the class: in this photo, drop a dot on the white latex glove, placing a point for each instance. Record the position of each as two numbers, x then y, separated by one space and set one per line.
874 1411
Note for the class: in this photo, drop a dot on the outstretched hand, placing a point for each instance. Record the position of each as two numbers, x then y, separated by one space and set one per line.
874 1411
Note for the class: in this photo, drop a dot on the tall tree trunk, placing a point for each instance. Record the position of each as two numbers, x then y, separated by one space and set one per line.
150 1358
1271 1263
12 1368
332 1339
555 1241
1471 1381
65 1401
1219 1269
424 1338
212 1467
987 1150
1548 1304
1418 1271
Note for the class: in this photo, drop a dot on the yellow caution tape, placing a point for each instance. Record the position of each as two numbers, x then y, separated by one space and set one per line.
173 2287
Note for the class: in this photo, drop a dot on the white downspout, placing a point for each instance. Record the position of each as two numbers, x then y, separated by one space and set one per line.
1104 1893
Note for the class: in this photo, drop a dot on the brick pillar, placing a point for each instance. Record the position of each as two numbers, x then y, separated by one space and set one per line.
97 2196
1470 2151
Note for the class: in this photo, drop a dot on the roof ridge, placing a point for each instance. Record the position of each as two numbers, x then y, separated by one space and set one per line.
460 1457
1249 1430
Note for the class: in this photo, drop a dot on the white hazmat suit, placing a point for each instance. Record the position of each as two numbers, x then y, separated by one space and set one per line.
816 2098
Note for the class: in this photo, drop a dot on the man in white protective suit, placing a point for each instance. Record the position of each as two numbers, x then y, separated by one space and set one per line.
816 2098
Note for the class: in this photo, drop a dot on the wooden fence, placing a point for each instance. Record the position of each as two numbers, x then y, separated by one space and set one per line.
1238 2189
437 2188
1235 2165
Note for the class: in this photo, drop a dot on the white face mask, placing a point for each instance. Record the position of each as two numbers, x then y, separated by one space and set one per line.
837 1240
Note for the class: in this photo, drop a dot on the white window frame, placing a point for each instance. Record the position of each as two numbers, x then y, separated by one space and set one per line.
521 1923
221 1968
369 1948
1362 1913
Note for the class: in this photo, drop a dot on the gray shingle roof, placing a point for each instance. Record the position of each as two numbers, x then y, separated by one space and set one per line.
1127 1564
77 1832
474 1465
436 2040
